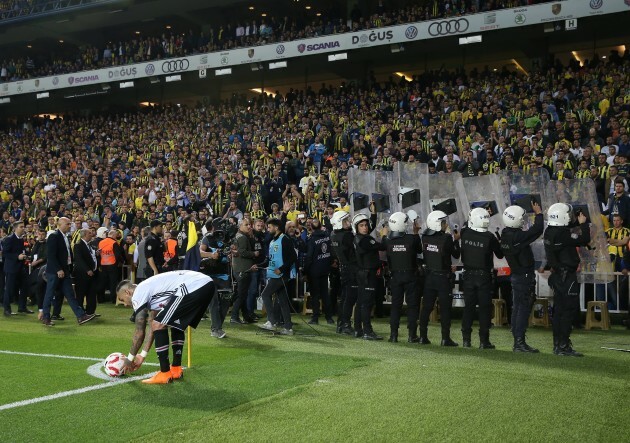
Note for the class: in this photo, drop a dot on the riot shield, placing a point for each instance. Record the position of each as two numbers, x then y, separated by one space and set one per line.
521 189
486 192
384 196
372 186
447 194
595 264
412 190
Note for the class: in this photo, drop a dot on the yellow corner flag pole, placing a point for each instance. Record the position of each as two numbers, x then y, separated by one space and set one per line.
189 347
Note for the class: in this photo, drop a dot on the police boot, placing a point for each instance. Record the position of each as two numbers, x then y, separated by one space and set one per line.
313 321
556 345
393 336
521 346
424 339
448 342
339 329
484 342
466 340
358 333
413 336
566 350
371 335
346 329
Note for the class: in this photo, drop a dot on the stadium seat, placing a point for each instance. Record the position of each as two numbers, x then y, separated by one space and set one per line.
604 321
544 319
499 317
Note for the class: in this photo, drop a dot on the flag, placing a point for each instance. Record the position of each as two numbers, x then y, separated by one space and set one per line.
193 256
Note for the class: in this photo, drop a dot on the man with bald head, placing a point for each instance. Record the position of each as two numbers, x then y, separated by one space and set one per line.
85 271
59 265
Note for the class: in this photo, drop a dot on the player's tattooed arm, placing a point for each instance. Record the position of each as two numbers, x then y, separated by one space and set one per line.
138 335
149 341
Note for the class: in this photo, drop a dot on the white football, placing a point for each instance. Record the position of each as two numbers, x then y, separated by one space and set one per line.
114 364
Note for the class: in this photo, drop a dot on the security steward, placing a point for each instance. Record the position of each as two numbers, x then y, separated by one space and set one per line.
368 260
402 252
477 248
561 249
342 240
170 252
438 247
154 250
317 266
111 257
515 243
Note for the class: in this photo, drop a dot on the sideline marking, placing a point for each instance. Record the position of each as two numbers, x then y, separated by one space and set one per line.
94 370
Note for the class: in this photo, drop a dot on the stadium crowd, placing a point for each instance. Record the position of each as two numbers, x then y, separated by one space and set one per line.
245 33
287 157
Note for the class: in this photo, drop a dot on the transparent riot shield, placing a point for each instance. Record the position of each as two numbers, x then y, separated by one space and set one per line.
412 190
447 194
372 186
521 189
595 264
486 192
384 197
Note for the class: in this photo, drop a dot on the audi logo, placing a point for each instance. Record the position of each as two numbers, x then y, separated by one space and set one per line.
448 27
175 66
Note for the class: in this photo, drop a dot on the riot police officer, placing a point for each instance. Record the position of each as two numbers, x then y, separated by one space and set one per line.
317 266
477 248
342 241
515 244
368 260
562 256
402 251
438 247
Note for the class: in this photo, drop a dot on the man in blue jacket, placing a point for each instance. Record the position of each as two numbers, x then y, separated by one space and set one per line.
317 267
280 270
316 152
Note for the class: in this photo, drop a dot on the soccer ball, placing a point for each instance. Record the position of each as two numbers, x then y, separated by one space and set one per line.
114 364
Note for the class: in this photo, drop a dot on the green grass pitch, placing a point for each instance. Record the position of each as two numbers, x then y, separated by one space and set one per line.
255 387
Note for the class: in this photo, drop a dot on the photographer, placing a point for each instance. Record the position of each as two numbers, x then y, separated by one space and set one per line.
244 262
215 263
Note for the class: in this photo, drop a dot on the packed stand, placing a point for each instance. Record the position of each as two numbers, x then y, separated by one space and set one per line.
131 177
265 30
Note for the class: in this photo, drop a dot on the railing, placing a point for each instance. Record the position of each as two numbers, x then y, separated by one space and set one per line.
25 10
616 293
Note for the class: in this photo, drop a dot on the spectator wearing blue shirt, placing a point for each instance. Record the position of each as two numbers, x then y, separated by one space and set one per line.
316 153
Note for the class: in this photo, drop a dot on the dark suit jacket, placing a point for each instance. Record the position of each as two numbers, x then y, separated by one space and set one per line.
82 259
12 247
57 254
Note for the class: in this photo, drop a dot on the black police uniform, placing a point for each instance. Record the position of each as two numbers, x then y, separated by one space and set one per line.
477 249
219 306
153 247
317 266
402 252
562 256
437 250
342 241
368 261
515 244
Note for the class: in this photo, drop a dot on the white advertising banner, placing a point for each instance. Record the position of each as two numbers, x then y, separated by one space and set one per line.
469 24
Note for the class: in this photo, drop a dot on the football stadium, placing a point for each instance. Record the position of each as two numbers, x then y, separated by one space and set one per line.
362 220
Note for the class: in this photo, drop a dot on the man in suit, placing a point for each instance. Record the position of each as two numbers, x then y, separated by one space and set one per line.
85 266
16 272
58 268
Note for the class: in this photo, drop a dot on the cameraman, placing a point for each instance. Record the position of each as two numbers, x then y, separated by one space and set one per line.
215 264
244 262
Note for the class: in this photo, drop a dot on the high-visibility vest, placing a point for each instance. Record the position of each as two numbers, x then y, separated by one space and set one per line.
106 246
171 245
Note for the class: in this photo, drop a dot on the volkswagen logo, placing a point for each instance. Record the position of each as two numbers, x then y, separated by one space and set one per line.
280 49
596 4
175 66
448 27
149 69
411 32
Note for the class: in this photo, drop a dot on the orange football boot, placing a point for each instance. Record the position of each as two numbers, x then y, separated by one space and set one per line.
177 372
161 378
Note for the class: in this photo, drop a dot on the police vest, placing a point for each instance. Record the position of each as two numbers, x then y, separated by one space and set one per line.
401 253
108 258
366 259
321 258
518 259
436 258
275 258
476 253
558 254
345 255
